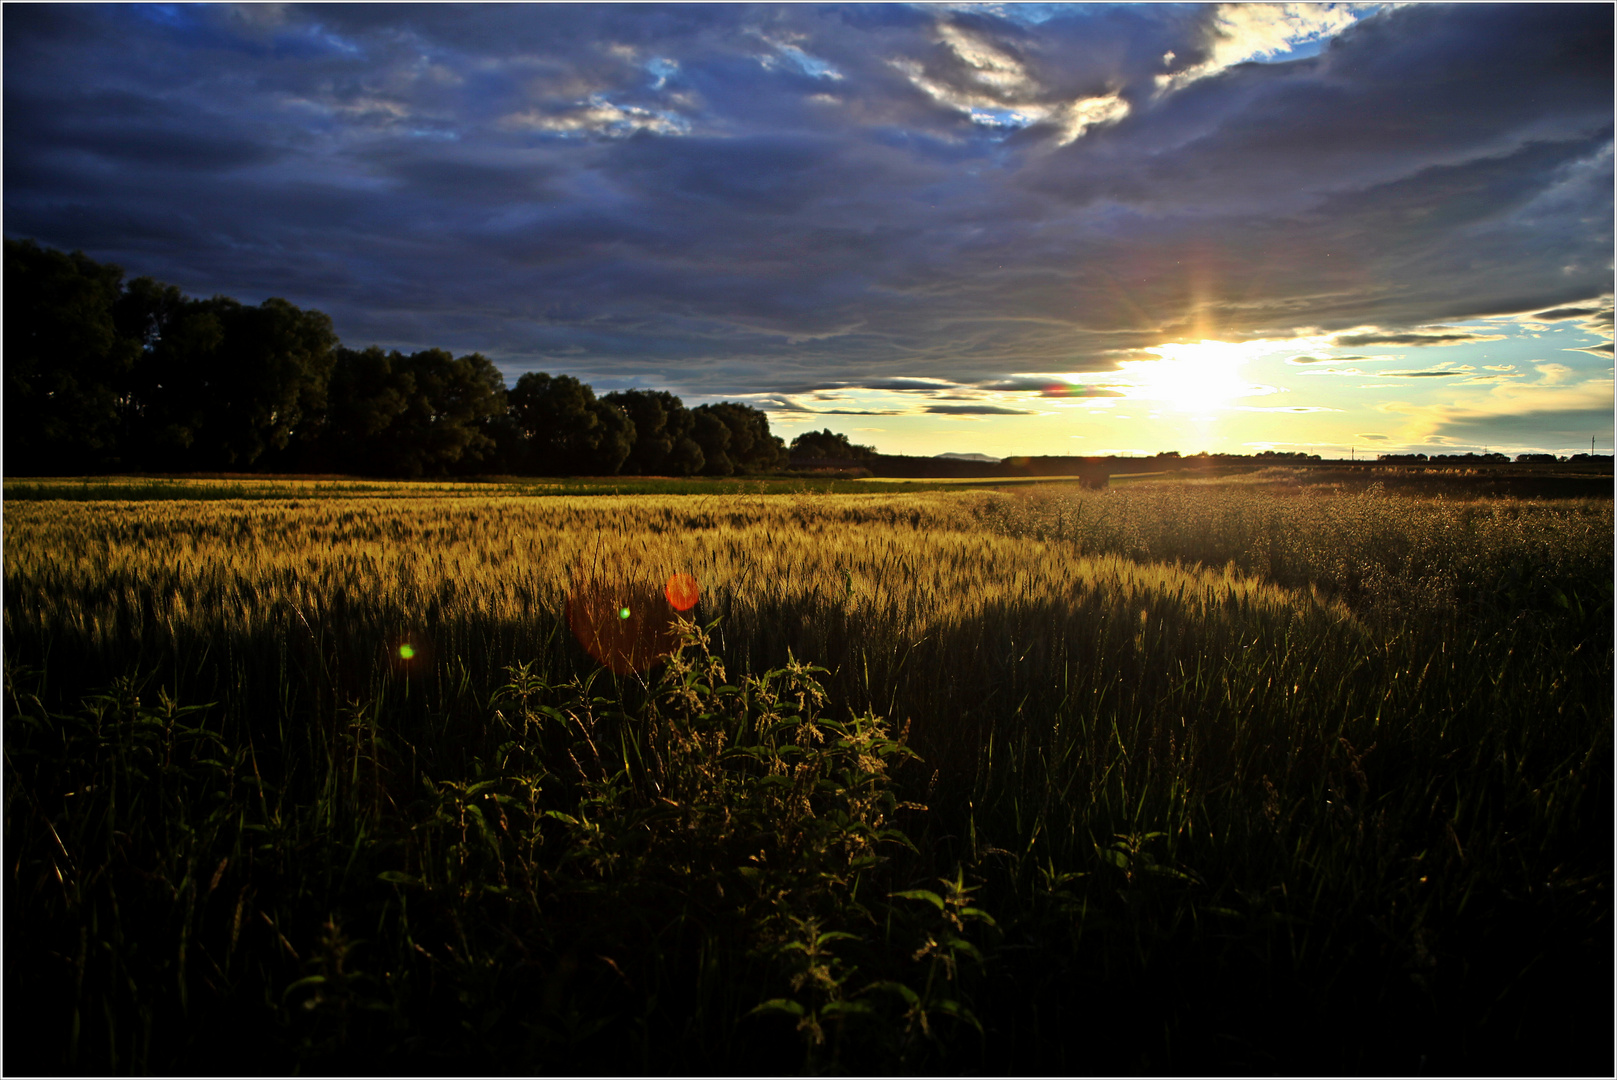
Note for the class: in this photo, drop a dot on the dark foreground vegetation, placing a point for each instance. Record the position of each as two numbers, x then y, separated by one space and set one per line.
1171 779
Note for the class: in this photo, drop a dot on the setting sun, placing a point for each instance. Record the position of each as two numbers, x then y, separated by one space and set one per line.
1206 374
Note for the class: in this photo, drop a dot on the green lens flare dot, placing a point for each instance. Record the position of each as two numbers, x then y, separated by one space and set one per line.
405 651
623 613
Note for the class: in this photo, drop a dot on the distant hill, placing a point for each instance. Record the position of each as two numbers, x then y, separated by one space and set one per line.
970 457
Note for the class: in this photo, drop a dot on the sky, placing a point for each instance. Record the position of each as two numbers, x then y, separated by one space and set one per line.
970 228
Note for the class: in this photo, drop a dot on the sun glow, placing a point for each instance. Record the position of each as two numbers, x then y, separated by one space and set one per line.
1200 375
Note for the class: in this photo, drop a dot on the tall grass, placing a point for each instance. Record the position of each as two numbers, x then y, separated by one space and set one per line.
1162 779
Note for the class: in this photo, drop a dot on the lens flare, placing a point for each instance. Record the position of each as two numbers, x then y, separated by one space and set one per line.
681 592
408 652
624 625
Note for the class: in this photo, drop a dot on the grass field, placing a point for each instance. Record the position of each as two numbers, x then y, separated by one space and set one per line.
1179 777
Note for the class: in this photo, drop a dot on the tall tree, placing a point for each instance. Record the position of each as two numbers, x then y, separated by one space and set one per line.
179 341
566 429
662 433
425 414
830 445
219 384
364 397
712 434
266 377
750 448
67 367
443 426
101 375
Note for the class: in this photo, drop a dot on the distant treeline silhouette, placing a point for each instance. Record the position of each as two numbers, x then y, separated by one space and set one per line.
1490 459
105 375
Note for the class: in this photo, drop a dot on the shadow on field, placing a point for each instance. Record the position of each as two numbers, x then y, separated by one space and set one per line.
1224 837
1216 828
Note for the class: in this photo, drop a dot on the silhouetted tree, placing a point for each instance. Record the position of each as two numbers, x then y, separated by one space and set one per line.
364 397
662 433
68 370
425 414
712 434
567 431
448 402
746 446
829 444
275 362
102 375
99 376
248 377
179 341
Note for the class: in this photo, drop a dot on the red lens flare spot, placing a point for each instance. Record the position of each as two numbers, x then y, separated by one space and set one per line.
682 592
626 627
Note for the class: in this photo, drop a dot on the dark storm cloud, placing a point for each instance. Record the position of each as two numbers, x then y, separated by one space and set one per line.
128 130
976 410
1583 311
903 386
1418 374
782 199
898 385
1451 337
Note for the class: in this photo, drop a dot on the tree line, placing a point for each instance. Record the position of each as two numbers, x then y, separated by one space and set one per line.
1490 459
105 375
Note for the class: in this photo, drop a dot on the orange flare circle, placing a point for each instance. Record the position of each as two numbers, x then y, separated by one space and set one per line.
623 625
681 592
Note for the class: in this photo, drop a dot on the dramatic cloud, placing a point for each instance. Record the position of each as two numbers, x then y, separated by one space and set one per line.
1049 386
1571 313
1594 317
767 201
1438 336
1248 31
1430 373
976 410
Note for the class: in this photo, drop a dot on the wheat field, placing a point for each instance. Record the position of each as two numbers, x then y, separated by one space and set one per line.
1173 777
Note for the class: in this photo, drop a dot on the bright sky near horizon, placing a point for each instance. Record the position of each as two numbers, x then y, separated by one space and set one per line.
1005 229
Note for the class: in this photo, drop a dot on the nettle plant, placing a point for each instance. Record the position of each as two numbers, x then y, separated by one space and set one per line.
755 816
